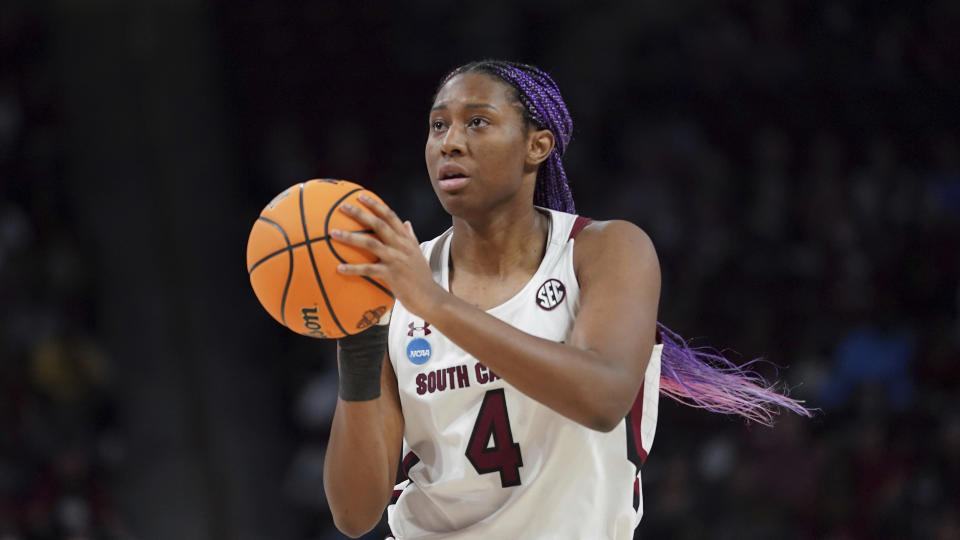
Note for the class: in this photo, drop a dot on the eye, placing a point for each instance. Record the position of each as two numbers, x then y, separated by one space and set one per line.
478 122
437 125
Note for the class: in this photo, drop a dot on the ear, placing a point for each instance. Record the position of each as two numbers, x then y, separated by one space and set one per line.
540 143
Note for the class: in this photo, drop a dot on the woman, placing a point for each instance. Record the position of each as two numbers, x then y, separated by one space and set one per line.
522 373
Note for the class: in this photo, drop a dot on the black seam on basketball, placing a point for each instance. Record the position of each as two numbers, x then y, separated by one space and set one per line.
326 220
326 230
291 247
286 287
316 272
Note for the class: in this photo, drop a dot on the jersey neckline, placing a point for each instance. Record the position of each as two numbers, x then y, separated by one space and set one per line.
548 256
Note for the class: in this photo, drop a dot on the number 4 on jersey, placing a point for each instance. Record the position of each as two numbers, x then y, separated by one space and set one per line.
504 455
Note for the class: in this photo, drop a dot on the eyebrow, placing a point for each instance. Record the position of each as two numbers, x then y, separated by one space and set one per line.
467 106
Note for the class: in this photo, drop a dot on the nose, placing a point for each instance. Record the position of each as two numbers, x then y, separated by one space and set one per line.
454 141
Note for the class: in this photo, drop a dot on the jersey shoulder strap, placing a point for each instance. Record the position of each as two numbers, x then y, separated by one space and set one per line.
578 226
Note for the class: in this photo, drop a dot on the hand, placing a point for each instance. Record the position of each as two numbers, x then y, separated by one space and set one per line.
402 265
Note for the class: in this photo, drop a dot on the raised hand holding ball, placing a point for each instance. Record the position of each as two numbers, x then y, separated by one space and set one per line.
292 262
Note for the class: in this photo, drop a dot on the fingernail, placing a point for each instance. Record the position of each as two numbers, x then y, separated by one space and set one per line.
341 267
346 206
336 232
364 198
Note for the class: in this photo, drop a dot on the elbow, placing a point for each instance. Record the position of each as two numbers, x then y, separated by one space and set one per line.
605 424
610 409
354 518
352 525
355 512
605 419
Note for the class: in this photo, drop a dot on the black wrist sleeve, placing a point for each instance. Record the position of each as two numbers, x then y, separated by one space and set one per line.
361 361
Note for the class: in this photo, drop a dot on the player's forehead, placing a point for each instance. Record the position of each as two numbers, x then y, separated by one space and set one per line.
473 89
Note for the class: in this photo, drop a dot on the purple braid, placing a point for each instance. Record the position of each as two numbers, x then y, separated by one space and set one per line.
544 108
699 377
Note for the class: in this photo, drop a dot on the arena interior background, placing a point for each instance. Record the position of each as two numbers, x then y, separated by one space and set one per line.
796 163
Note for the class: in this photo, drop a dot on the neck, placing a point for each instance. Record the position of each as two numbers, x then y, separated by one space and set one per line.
502 242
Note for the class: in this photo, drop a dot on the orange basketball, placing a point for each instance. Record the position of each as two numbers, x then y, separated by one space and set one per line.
292 262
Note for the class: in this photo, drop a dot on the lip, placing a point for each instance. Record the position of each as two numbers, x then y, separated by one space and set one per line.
450 169
452 184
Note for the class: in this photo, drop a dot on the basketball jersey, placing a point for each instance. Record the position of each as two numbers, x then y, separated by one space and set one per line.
481 460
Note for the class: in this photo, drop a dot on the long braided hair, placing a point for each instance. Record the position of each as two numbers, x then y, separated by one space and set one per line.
696 376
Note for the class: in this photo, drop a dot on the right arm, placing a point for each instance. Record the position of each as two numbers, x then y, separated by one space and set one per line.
363 453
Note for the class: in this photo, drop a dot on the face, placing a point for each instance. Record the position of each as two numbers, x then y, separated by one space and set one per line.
477 148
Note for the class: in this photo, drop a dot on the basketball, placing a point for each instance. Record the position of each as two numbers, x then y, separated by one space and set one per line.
292 262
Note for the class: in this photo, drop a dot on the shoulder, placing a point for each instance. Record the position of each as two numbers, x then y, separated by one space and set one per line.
616 234
604 247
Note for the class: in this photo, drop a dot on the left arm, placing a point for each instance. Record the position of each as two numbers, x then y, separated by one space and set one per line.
592 379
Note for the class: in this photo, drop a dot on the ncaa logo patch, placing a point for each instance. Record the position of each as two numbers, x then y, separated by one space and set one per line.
551 294
419 350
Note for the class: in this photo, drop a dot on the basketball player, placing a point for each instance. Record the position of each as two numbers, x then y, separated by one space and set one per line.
519 389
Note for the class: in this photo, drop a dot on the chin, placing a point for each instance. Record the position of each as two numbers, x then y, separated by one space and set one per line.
452 203
455 206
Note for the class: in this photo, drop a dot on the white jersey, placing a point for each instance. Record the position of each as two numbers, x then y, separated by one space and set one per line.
483 460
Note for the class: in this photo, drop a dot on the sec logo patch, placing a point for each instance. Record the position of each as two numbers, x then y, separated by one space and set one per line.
551 294
419 350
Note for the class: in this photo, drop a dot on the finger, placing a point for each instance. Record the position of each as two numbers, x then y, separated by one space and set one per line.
381 228
360 240
370 270
409 227
383 211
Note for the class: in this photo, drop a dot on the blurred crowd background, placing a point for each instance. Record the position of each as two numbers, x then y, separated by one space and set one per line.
797 165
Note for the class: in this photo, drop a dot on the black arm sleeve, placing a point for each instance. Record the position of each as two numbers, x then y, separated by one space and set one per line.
361 361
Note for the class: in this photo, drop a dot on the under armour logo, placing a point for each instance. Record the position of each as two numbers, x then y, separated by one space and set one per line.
413 328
